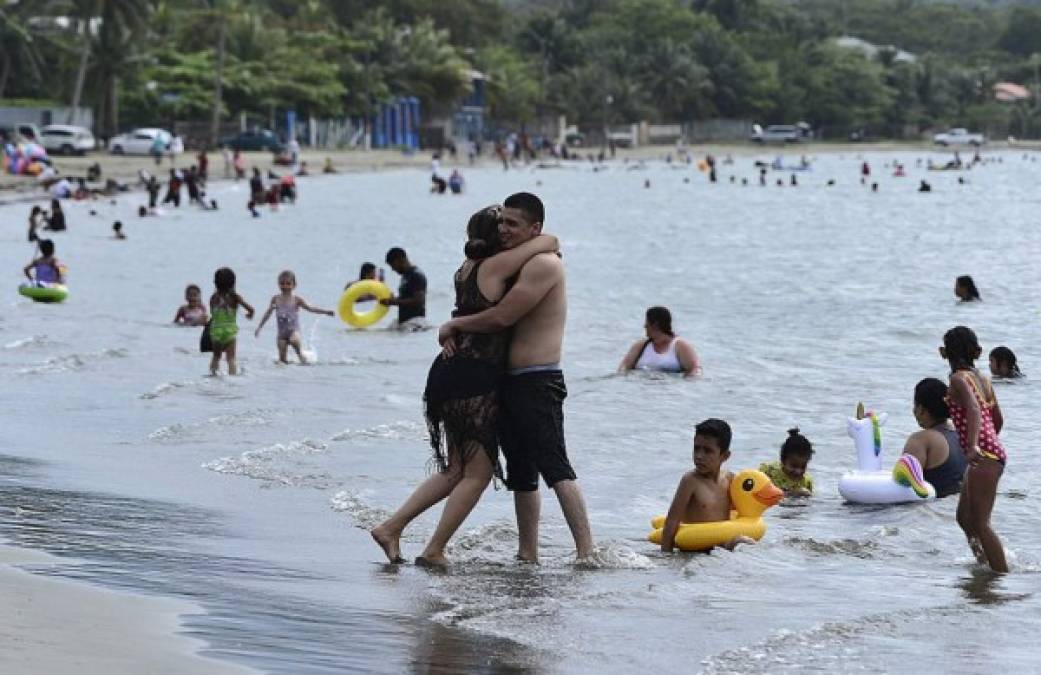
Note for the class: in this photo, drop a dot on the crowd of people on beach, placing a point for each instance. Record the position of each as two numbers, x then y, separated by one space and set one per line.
497 384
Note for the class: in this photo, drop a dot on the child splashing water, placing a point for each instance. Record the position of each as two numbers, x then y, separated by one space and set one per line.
224 304
286 307
978 421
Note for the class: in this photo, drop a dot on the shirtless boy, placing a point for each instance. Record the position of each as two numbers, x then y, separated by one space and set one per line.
703 495
533 391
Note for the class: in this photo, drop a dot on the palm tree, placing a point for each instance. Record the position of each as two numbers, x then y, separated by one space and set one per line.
676 82
18 44
120 33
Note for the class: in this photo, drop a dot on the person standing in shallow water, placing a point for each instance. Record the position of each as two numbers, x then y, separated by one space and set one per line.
411 299
462 397
977 418
533 391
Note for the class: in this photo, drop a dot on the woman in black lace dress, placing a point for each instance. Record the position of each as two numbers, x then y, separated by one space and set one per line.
462 404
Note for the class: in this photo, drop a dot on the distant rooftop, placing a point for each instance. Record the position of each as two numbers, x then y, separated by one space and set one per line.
871 50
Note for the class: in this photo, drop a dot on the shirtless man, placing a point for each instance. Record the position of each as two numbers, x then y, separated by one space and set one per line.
532 395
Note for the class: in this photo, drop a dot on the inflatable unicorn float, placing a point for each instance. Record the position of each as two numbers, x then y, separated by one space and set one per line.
869 483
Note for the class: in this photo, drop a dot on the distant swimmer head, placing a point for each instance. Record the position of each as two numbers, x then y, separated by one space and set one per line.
965 289
224 280
482 233
960 347
1003 363
796 452
142 211
930 402
46 247
659 321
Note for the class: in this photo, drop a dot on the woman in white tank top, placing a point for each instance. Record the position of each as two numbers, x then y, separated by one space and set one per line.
662 351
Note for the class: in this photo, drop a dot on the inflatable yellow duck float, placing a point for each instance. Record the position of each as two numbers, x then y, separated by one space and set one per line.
751 493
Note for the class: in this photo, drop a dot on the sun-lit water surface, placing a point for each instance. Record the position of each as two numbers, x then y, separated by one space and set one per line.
252 495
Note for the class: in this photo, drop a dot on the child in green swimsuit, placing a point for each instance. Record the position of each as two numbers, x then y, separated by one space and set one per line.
789 473
224 304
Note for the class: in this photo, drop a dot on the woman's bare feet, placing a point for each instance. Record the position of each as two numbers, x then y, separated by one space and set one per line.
389 542
436 561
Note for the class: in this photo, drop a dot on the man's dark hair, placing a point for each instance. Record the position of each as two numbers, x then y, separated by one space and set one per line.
528 204
717 429
395 254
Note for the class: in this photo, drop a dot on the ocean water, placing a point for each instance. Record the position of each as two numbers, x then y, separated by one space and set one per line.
252 495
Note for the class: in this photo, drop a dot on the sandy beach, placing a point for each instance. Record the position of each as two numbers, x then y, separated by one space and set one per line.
56 626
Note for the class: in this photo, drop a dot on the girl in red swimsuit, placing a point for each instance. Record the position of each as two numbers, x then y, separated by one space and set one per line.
977 417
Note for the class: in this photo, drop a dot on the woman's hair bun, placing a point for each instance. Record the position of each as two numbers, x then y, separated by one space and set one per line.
476 249
794 431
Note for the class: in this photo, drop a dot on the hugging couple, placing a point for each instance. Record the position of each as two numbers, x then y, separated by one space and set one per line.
497 383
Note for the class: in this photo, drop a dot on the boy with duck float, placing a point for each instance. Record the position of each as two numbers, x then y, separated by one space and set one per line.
705 495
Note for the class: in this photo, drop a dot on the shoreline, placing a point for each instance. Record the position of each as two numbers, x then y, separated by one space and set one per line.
57 625
123 168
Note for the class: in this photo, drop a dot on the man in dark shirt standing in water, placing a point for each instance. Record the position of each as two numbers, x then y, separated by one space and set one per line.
411 299
533 391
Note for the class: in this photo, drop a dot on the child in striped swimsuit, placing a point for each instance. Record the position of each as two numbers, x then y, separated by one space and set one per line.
978 420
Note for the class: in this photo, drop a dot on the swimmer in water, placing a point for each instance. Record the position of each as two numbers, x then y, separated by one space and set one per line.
1003 363
703 495
965 289
193 312
789 473
47 269
286 306
117 230
662 351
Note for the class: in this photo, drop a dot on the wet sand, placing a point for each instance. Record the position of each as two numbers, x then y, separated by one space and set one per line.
51 625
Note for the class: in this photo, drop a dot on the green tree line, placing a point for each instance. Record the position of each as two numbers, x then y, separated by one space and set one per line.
596 61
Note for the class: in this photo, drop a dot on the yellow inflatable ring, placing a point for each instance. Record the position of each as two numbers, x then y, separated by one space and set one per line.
752 492
358 289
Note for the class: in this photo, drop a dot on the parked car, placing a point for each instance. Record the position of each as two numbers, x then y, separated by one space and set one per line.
959 136
140 142
20 131
66 139
254 139
777 133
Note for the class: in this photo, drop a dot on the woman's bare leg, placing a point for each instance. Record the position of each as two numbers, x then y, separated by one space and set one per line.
435 488
477 473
